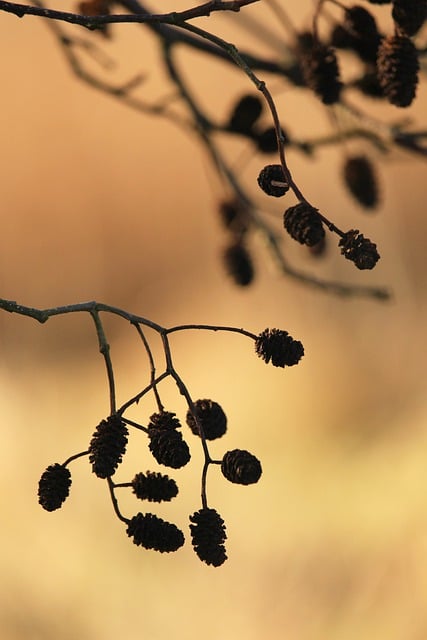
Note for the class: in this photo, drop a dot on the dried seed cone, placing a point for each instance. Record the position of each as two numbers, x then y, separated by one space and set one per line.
397 68
54 487
169 448
245 114
164 420
238 264
154 487
241 467
208 535
107 446
151 532
321 72
273 173
279 347
266 140
233 215
409 15
359 250
360 178
362 29
303 223
211 418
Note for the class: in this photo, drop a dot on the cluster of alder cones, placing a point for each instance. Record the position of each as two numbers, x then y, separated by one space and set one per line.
390 71
207 421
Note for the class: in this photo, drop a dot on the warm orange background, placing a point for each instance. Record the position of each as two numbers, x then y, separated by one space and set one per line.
100 202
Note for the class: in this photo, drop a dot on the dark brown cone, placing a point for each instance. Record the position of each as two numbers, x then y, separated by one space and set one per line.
211 417
362 29
273 173
245 114
359 250
279 347
360 178
164 420
151 532
233 215
397 67
320 69
208 536
168 447
241 467
303 223
154 487
238 264
54 487
107 446
409 15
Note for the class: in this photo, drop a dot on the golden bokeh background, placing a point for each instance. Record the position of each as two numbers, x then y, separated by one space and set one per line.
102 202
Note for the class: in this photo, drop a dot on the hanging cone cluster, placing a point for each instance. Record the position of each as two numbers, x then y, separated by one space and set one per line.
54 487
154 487
360 178
151 532
166 443
359 250
211 418
107 446
208 536
241 467
397 68
303 223
279 347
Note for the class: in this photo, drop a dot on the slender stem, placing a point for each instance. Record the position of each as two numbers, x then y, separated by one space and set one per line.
134 424
104 349
115 503
152 365
74 457
207 327
142 393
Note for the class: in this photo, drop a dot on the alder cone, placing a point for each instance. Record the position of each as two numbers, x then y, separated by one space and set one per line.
54 487
279 347
168 447
321 72
211 418
409 15
107 446
154 487
208 535
360 178
238 263
303 223
151 532
397 68
273 173
358 249
241 467
245 114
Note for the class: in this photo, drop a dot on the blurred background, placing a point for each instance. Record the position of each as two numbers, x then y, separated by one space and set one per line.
100 202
